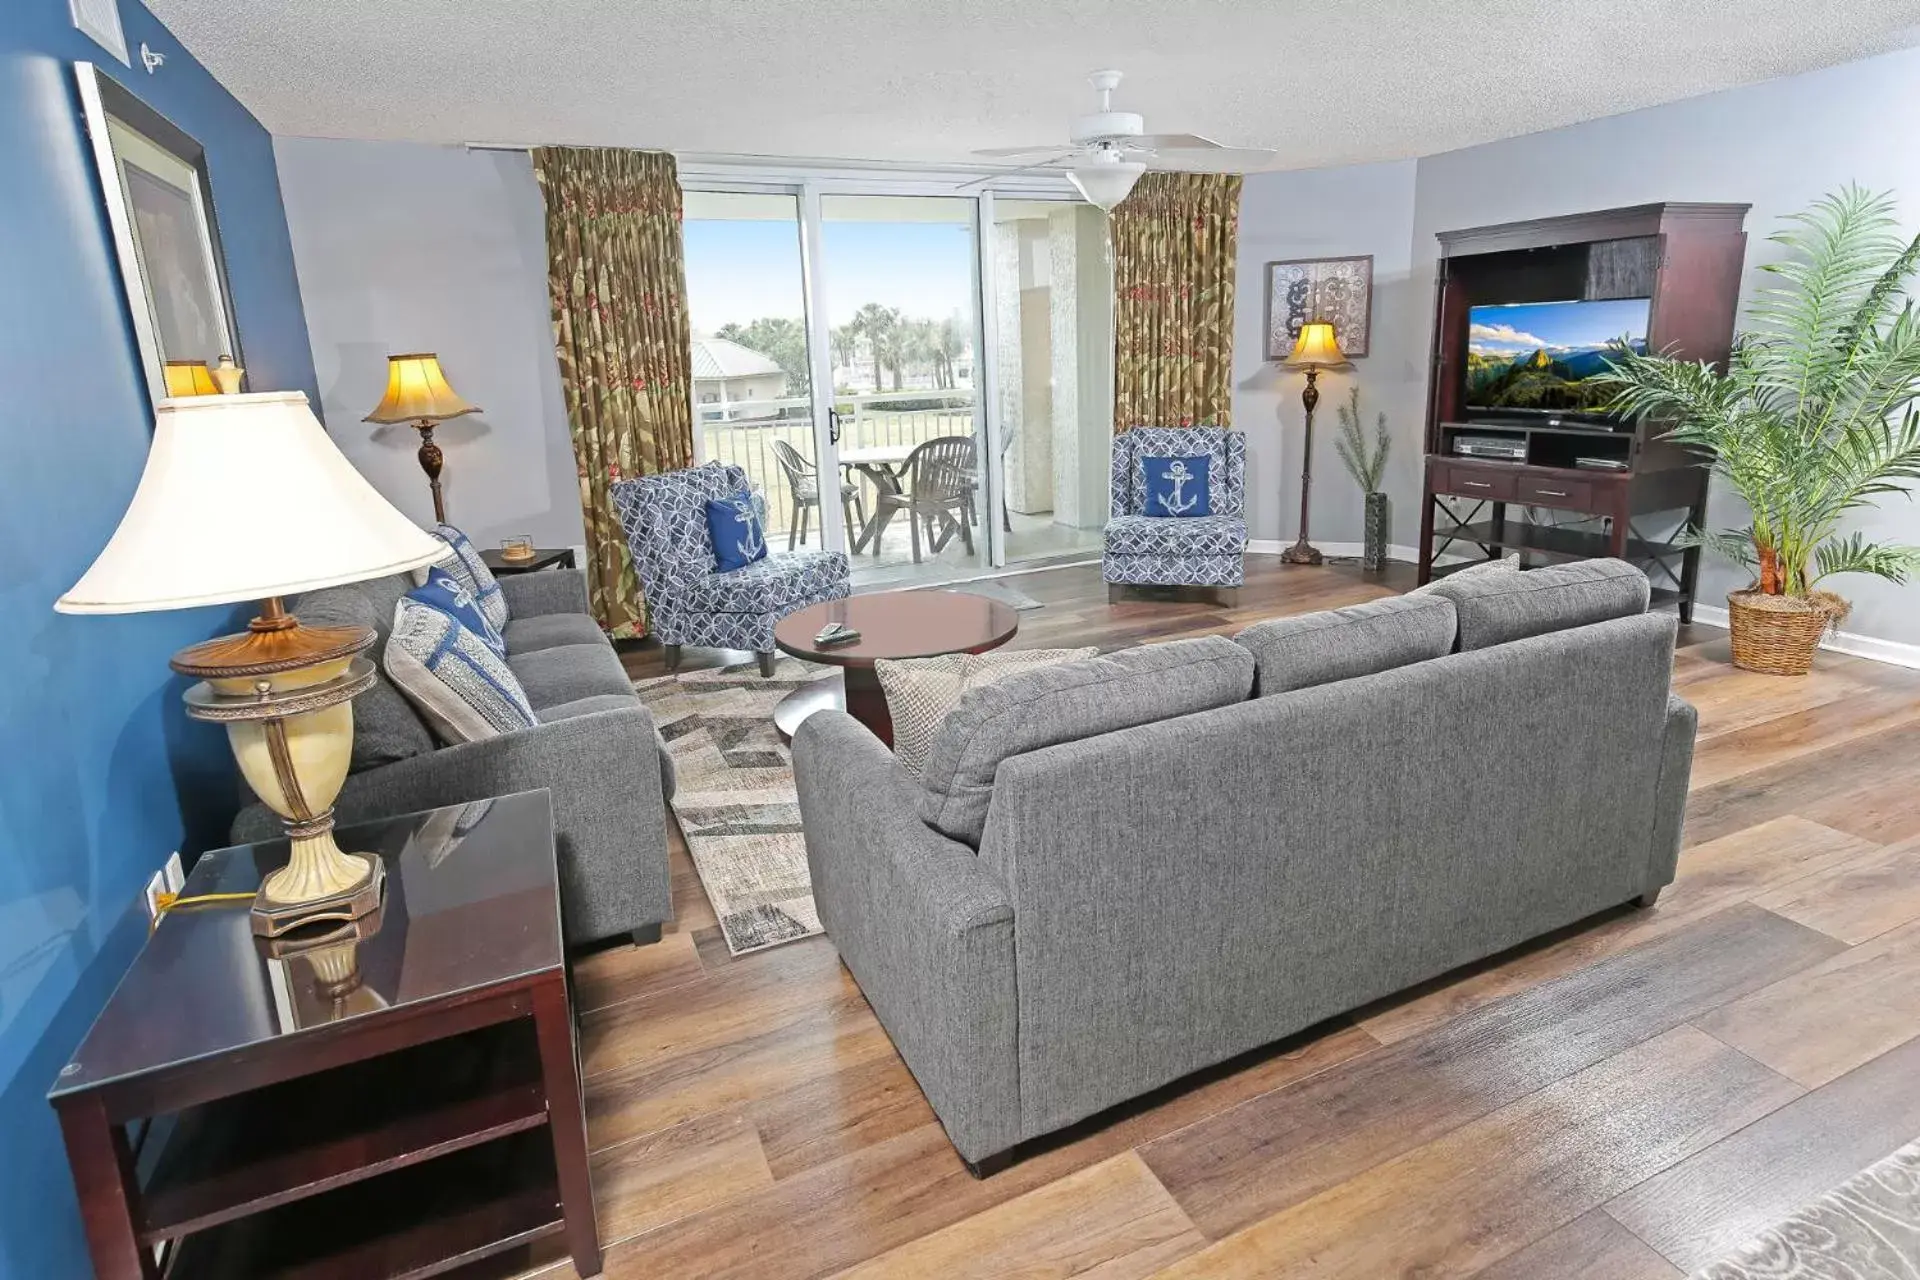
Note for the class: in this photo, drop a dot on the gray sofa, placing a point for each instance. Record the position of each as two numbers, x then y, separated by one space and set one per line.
596 751
1117 872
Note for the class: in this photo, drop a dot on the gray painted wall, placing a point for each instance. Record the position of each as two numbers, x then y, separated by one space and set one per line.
1328 213
410 247
1777 146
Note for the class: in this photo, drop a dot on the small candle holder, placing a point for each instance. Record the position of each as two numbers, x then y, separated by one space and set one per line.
518 547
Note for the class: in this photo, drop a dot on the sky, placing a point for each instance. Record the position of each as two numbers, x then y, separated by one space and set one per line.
1555 326
738 271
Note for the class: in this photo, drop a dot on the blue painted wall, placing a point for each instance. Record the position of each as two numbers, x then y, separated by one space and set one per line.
100 773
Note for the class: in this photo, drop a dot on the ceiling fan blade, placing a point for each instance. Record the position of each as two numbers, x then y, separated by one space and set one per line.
1008 153
1225 160
985 178
1177 142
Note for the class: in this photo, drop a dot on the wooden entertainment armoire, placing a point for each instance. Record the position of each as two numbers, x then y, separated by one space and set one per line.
1686 258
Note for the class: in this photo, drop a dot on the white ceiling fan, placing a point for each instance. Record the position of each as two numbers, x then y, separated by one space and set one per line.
1110 150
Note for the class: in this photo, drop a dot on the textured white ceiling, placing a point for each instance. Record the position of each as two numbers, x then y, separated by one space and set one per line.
1324 83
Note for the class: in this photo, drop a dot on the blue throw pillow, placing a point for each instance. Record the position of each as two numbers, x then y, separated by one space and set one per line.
465 564
451 596
1178 486
735 526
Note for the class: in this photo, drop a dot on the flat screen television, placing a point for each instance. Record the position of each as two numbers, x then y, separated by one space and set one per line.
1528 358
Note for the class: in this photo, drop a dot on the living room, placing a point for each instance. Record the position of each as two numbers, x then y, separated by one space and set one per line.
1129 887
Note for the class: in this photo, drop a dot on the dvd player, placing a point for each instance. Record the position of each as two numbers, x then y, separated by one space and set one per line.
1504 448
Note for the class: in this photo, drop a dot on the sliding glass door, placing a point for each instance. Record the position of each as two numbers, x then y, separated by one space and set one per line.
879 358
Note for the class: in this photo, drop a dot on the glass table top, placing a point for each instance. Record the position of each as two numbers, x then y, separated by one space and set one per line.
472 900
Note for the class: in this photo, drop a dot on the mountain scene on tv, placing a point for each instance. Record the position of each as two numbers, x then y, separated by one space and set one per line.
1545 355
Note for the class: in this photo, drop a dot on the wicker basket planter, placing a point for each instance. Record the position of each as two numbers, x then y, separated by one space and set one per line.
1778 634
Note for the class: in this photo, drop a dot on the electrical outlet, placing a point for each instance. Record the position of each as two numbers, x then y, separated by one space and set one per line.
156 885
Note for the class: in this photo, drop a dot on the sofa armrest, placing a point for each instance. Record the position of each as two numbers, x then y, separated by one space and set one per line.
924 928
533 595
1670 792
602 773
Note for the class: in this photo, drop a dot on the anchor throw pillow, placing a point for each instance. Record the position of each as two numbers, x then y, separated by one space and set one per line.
1177 487
737 537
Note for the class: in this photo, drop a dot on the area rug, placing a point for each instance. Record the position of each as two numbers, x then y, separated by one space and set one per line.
735 796
994 589
1867 1228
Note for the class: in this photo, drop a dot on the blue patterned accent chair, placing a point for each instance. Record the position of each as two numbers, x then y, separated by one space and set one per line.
1162 551
665 518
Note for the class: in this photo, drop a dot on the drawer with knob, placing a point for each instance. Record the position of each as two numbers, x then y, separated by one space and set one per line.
1568 495
1475 482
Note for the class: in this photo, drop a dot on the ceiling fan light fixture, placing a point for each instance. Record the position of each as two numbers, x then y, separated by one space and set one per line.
1106 184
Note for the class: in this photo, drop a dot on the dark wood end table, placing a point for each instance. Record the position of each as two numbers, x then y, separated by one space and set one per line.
892 624
398 1100
542 558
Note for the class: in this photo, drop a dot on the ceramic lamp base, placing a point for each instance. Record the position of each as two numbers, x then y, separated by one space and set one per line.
272 918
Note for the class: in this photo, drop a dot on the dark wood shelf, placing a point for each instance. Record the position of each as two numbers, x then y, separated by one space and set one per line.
1569 544
260 1150
422 1221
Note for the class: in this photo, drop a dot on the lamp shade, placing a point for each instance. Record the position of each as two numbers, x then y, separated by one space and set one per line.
1317 346
417 391
1106 183
190 378
245 497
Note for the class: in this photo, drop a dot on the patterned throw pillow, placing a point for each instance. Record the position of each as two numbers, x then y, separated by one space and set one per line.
921 691
465 564
450 596
461 687
735 527
1177 487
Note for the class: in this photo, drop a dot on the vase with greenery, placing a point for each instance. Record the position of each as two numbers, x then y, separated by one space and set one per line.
1366 462
1812 419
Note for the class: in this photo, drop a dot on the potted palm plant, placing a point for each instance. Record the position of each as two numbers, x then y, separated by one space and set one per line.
1366 462
1812 419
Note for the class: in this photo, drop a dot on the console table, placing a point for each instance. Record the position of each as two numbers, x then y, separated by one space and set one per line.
394 1098
1686 259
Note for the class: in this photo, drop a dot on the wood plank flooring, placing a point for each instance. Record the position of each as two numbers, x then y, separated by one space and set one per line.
1624 1100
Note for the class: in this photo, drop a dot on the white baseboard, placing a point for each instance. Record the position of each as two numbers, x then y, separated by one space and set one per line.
1874 649
1273 547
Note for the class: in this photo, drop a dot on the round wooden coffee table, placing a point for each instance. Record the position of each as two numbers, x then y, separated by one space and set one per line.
892 624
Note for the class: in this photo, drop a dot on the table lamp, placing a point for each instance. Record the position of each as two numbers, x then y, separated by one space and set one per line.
417 393
190 378
1316 349
245 498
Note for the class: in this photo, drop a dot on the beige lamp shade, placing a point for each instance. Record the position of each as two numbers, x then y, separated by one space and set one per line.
245 497
417 391
1317 346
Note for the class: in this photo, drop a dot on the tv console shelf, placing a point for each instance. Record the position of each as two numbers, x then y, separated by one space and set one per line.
1686 259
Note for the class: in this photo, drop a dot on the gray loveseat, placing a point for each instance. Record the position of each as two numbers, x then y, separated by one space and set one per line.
596 751
1117 872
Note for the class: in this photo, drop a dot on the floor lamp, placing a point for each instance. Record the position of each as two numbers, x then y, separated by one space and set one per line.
1316 349
418 394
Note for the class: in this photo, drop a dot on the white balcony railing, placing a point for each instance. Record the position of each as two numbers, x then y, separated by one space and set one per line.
742 433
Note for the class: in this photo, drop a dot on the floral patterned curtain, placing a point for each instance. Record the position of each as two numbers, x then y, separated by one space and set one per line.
617 281
1174 240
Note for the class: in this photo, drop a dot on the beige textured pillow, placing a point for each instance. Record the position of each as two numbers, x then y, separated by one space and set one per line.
921 691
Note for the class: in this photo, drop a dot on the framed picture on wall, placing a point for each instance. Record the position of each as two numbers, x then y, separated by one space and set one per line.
1337 290
160 211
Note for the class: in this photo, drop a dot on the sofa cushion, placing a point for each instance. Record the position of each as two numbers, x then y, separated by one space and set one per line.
1339 644
1505 564
921 692
1065 703
765 585
569 672
461 686
386 728
550 630
1169 536
1494 608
